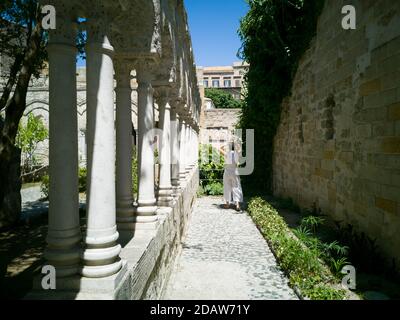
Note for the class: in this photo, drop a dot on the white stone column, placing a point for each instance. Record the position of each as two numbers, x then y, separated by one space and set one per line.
101 256
194 148
197 144
189 149
165 187
64 236
175 152
124 193
182 151
146 210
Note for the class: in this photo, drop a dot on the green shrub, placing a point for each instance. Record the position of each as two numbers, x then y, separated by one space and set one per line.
211 170
214 189
301 263
45 186
82 178
222 99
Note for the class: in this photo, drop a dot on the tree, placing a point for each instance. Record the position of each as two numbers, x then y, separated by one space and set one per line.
275 34
28 139
222 99
22 45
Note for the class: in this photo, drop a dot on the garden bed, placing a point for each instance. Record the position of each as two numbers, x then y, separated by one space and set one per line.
308 275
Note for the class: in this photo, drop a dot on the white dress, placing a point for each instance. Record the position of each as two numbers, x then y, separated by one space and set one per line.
232 187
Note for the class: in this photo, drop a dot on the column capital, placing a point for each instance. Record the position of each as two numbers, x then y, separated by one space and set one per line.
145 70
66 30
162 94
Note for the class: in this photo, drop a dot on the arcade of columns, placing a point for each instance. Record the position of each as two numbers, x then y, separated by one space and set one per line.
149 37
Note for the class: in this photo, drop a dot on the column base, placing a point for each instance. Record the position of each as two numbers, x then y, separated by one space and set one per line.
78 287
101 262
95 272
64 251
66 261
165 202
165 198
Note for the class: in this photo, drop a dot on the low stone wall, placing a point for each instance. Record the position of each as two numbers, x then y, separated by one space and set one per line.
150 263
148 259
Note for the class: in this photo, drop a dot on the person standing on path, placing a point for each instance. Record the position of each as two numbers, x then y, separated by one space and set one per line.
232 186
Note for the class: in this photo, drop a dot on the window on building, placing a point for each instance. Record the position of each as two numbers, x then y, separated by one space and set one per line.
227 83
237 83
205 82
215 83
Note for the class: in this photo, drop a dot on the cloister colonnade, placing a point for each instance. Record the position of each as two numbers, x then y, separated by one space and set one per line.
148 38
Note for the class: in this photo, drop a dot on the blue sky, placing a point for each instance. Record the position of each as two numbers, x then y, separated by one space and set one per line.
213 26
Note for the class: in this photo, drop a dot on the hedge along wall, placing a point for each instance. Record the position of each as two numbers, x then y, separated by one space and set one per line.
338 142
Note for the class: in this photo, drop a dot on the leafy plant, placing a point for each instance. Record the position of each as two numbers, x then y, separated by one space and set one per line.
82 179
214 189
302 263
211 170
363 251
312 222
29 136
222 99
45 186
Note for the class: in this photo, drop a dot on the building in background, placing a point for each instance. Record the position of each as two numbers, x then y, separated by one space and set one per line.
227 78
217 126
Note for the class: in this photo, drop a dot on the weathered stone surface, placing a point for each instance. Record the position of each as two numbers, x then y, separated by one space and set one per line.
351 138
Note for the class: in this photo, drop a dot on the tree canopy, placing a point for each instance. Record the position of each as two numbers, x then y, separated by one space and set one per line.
222 99
275 34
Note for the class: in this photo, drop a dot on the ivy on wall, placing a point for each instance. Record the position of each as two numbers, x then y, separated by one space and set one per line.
275 34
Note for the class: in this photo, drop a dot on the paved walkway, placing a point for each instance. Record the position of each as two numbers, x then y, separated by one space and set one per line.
225 258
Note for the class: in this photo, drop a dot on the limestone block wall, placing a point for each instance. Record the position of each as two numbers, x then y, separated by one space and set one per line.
217 124
338 144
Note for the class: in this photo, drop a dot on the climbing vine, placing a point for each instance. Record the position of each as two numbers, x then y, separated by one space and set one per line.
275 34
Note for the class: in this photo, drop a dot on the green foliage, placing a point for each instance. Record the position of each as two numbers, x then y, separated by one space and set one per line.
45 186
214 189
28 138
211 170
363 251
222 99
82 178
275 34
312 222
301 263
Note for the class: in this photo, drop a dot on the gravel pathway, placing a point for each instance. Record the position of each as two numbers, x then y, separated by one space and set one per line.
225 257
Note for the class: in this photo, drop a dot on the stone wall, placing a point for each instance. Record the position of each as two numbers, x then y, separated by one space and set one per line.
338 144
217 124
